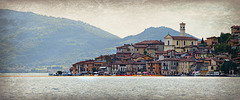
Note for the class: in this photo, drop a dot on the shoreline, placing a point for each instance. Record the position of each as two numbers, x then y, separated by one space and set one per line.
104 76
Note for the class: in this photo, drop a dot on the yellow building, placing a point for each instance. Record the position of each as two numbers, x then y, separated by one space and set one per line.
142 57
184 65
212 68
178 43
139 48
212 40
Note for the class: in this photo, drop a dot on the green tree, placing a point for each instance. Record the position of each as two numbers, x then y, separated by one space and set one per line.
224 37
202 42
94 69
223 47
228 65
145 52
59 72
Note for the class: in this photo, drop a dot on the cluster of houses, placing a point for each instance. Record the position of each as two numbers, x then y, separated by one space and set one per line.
177 55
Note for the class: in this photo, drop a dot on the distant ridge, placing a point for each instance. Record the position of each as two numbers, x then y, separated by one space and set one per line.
29 39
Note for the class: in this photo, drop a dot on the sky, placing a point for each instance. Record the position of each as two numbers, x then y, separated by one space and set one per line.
203 18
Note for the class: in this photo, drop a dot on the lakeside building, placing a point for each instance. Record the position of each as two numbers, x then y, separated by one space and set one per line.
149 47
169 66
154 67
178 43
176 56
212 40
184 65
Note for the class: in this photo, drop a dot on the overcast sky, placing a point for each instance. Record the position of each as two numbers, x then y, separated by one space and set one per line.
203 18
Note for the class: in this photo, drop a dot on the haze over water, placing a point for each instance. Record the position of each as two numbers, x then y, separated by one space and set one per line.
119 88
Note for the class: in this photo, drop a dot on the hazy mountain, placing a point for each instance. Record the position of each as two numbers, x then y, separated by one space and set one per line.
28 39
32 39
152 33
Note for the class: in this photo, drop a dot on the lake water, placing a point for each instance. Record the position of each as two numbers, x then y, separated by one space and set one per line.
124 88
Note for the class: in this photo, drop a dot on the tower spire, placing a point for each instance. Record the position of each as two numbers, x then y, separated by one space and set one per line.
182 29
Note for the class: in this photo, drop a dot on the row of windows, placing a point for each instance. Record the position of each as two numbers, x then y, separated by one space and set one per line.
98 64
183 42
137 50
154 64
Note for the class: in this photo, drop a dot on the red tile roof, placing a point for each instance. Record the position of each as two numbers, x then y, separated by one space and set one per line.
161 52
101 56
140 46
89 61
171 59
235 26
125 45
212 37
188 60
149 42
183 38
189 46
170 50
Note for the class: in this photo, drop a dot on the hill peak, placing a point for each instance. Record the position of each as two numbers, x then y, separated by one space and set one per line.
152 33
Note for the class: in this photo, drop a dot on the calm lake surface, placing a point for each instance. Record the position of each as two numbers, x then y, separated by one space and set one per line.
125 88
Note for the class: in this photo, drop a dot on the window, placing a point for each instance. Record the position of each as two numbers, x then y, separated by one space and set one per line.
97 64
177 42
184 43
137 49
192 43
168 42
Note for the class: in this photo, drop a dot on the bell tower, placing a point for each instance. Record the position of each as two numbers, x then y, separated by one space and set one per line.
182 29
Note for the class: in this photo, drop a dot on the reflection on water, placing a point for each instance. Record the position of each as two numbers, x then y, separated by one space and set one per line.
120 88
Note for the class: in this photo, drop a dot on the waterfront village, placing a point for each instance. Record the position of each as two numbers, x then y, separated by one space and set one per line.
175 56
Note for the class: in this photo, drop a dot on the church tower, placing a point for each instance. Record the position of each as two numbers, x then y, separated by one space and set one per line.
182 29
